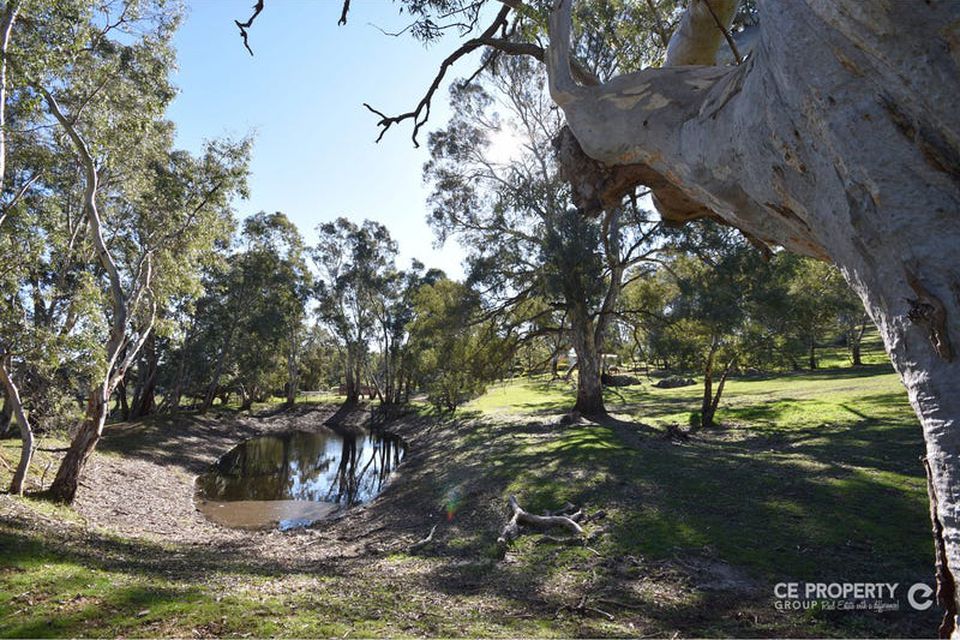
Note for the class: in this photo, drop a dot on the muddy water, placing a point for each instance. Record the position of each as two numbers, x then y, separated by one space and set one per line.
294 479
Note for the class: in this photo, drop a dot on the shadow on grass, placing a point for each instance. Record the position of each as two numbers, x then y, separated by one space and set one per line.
827 503
19 545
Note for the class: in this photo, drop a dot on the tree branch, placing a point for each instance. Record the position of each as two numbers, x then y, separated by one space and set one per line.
257 8
697 39
421 113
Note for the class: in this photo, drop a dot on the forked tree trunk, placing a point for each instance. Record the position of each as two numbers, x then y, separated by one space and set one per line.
712 402
123 344
839 138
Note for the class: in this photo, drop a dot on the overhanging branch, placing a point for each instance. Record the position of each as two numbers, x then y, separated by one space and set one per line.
243 26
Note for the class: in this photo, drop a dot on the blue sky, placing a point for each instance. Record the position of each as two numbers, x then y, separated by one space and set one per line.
301 95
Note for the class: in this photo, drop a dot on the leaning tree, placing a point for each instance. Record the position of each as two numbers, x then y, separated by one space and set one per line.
835 135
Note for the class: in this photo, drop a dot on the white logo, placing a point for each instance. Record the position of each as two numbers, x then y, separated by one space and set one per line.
924 601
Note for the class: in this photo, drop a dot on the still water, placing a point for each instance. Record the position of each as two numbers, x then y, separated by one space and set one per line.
293 479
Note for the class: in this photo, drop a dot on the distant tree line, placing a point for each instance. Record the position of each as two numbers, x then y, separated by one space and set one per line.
130 289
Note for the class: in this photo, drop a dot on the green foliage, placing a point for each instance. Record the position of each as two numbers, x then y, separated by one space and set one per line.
357 275
453 358
164 212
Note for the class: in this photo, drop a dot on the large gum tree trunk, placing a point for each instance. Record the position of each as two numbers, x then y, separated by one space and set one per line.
839 138
589 388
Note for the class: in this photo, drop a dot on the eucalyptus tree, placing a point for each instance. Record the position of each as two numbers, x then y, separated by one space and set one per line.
249 324
276 283
513 214
717 286
453 356
393 311
820 304
356 267
99 84
832 134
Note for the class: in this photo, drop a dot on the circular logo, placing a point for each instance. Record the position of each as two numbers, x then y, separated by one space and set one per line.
919 596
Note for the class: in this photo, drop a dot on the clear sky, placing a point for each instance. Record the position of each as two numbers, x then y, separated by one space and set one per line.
301 95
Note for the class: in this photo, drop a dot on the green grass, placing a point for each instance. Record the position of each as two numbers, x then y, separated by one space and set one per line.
813 477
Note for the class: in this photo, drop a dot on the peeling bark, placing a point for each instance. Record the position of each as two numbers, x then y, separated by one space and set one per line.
838 138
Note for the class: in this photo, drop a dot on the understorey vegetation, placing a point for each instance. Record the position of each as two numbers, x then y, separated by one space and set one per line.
695 235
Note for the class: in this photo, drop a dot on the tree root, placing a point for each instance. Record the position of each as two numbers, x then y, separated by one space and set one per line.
511 531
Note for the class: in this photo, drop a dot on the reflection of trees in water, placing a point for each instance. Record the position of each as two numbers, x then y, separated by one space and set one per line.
305 466
358 480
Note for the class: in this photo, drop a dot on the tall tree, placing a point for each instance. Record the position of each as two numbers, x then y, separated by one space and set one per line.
356 265
105 90
513 214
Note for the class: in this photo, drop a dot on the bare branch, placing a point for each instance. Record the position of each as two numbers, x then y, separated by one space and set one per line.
421 114
243 26
343 13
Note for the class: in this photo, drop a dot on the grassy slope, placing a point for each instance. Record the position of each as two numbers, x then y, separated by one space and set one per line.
816 478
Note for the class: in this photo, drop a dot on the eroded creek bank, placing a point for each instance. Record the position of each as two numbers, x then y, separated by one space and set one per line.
141 483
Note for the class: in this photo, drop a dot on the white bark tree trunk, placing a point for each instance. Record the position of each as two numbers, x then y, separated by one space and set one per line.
26 432
839 138
122 345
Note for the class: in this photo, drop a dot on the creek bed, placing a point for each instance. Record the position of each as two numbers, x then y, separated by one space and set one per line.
294 479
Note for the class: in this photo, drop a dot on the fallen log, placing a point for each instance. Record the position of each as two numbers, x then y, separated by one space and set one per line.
424 542
520 517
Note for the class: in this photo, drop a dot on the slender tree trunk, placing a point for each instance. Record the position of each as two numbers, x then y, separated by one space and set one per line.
856 340
120 348
6 29
6 413
813 354
217 372
352 377
145 400
837 138
716 397
122 404
26 433
292 373
706 406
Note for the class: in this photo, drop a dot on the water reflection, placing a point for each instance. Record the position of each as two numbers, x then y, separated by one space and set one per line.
300 469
